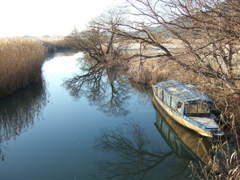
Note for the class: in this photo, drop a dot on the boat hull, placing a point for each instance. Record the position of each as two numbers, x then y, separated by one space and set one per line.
180 119
185 142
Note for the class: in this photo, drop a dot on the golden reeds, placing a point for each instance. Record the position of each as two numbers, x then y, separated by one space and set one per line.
20 63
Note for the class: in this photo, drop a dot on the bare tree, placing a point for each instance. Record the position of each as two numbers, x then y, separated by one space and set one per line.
99 41
207 29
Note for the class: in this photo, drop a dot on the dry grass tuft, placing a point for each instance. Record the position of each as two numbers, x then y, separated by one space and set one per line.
20 63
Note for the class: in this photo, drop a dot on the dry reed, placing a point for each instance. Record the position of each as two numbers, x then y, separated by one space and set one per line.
20 63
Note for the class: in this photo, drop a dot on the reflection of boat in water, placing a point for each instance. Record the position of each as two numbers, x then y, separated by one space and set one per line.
186 143
188 106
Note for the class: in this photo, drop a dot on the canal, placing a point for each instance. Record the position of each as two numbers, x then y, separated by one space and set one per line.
101 126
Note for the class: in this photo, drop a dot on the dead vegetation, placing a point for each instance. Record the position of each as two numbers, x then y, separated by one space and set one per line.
21 60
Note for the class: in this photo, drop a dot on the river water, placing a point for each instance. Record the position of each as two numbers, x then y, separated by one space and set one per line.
98 127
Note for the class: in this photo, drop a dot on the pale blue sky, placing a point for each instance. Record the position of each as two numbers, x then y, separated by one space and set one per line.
48 17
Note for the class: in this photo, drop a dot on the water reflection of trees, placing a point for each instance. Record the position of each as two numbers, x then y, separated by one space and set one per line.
143 90
131 144
102 86
18 111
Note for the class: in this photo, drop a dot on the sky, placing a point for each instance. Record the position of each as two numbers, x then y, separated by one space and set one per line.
48 17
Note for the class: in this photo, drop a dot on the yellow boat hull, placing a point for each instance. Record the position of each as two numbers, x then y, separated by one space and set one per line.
180 119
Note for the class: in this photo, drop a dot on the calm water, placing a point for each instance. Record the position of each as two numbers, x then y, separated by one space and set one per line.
98 127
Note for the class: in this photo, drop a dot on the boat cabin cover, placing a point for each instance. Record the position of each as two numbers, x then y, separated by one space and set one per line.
184 98
183 92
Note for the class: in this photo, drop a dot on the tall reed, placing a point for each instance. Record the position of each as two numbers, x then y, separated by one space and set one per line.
20 63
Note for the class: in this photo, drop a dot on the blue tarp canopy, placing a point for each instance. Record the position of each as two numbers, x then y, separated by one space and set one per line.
183 92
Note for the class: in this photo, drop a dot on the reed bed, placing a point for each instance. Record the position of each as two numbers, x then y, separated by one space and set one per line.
21 60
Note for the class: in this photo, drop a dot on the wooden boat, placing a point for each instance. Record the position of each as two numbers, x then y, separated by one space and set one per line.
188 106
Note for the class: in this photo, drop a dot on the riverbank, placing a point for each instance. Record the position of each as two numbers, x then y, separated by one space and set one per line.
21 60
226 153
57 44
20 63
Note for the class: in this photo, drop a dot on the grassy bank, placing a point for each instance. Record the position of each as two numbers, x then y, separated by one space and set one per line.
20 63
226 154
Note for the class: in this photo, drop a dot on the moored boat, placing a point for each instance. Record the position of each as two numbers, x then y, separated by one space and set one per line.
188 106
185 143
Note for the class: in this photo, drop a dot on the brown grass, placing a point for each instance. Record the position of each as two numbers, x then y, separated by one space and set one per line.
20 63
